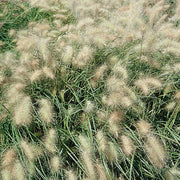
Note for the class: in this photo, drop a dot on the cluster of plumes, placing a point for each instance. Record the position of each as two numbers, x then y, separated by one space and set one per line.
93 167
97 24
107 147
148 84
123 21
35 63
65 37
174 105
12 168
153 146
119 93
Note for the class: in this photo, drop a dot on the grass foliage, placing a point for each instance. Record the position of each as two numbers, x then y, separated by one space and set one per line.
80 104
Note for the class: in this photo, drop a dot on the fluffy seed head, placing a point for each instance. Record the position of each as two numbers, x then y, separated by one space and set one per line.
155 151
107 148
28 150
176 67
6 174
170 106
26 43
15 93
127 145
114 84
120 71
70 175
147 84
85 144
172 174
116 99
46 110
18 171
143 127
8 158
41 28
102 141
101 172
34 64
102 115
12 32
36 75
55 163
22 112
89 107
90 167
114 122
48 73
83 57
99 72
50 140
86 155
68 55
177 96
112 153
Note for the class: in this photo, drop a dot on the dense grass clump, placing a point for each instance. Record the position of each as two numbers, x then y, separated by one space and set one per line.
89 89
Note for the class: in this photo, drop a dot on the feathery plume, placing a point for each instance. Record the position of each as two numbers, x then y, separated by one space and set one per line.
22 112
86 157
117 99
89 107
112 153
114 122
102 141
98 74
102 115
114 84
48 73
172 174
70 175
28 150
101 172
127 145
121 178
177 96
84 22
83 57
12 32
113 60
176 67
41 29
7 164
46 110
148 83
155 151
67 55
36 75
143 127
55 163
106 147
18 171
120 71
26 43
15 93
34 64
176 16
6 174
50 140
8 158
170 106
